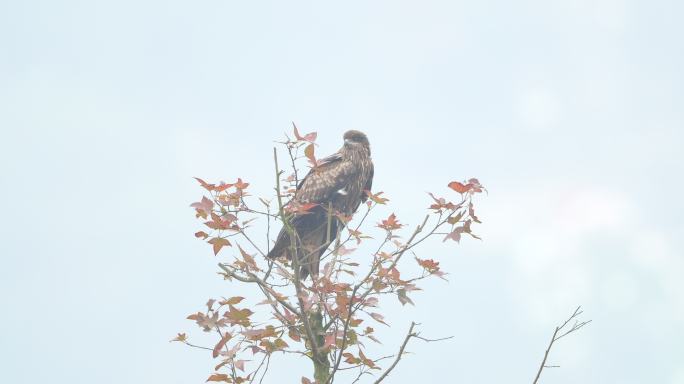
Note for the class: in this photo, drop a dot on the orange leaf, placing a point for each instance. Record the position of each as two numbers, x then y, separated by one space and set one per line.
219 243
428 264
222 187
376 197
238 316
207 186
218 377
391 223
366 361
350 359
249 259
459 187
239 184
181 337
232 301
309 153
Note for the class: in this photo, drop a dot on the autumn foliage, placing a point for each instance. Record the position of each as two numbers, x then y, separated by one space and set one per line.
330 318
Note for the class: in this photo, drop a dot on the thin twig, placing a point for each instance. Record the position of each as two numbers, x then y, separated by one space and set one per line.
295 263
409 335
576 326
197 346
268 362
401 352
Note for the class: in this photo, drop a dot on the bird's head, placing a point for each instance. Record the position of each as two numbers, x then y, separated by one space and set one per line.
355 138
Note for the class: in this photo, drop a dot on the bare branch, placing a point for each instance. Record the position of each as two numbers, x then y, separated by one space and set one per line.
555 337
197 346
351 311
408 337
401 352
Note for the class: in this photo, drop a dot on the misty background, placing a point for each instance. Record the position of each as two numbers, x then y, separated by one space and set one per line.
569 112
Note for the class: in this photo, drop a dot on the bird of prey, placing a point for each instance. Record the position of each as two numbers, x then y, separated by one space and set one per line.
337 184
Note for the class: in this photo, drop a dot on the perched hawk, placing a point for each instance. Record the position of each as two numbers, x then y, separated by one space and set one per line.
336 185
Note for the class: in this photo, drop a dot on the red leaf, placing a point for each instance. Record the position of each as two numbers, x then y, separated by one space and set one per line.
224 340
310 137
476 187
239 184
219 243
329 340
205 205
376 197
218 222
459 187
240 364
471 213
207 186
379 318
455 235
390 223
428 264
371 302
222 187
441 203
295 207
473 186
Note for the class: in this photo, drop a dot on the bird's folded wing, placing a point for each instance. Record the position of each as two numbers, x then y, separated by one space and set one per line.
324 180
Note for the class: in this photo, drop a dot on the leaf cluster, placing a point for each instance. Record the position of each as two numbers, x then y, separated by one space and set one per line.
331 317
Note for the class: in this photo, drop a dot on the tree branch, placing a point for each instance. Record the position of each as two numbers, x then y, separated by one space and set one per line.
401 352
576 326
408 337
255 279
295 264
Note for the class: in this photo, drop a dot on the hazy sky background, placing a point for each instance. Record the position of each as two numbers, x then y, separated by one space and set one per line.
570 112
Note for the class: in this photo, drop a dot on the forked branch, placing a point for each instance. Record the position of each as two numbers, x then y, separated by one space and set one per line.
409 335
558 333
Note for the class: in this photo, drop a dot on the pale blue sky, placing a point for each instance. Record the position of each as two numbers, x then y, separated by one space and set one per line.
570 112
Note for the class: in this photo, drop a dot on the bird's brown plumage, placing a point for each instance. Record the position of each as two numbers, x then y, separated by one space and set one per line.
337 184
